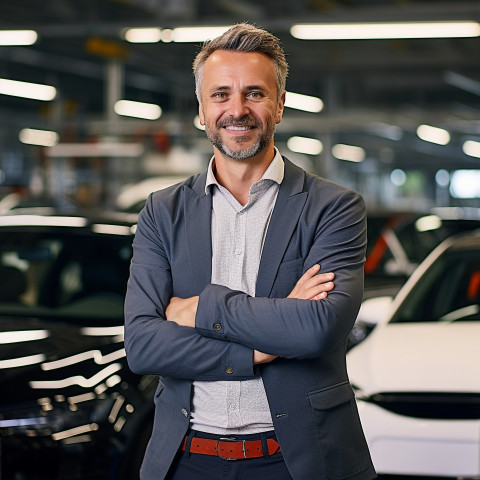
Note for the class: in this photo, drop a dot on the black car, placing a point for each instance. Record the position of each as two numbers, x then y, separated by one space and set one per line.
70 408
398 241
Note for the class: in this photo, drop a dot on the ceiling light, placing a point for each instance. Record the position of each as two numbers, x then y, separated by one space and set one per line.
442 178
147 111
359 31
350 153
197 34
465 184
310 146
303 102
398 177
433 134
34 91
428 223
471 148
106 149
143 35
17 37
43 138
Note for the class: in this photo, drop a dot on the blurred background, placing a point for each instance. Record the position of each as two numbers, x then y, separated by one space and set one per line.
97 96
97 110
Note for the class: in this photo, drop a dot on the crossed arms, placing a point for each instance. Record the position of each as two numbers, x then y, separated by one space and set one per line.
159 335
313 285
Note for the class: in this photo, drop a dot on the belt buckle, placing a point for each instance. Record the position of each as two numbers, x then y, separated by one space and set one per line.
230 439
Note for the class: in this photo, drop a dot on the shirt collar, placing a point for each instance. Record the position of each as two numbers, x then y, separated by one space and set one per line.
275 172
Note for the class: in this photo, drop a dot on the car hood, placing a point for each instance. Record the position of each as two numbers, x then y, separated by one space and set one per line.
42 358
418 357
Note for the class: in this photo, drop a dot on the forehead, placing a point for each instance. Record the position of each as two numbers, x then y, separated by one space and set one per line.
238 67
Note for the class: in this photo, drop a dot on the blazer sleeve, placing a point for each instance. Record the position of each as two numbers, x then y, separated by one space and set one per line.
157 346
293 328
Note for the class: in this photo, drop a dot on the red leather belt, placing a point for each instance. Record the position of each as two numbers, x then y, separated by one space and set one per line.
231 448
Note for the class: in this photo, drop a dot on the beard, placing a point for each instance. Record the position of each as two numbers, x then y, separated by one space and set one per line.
263 137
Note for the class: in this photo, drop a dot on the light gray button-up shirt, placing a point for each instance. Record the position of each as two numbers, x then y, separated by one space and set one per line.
238 235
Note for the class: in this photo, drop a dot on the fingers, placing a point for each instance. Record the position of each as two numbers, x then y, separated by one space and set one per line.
313 285
260 357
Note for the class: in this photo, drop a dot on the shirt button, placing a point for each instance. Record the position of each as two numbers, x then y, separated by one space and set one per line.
217 327
238 252
229 370
185 412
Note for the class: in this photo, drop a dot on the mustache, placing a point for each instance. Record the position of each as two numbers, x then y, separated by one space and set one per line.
242 122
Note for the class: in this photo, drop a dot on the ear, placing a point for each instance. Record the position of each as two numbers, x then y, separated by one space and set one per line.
281 105
201 115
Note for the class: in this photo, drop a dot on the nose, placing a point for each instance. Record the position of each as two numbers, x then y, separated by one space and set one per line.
238 106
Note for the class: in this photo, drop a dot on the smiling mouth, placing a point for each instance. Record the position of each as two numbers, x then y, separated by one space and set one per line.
238 128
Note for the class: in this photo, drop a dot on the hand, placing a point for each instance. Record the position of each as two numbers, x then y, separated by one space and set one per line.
259 357
182 311
313 285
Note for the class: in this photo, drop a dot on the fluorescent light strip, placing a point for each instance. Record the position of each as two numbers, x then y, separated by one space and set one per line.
350 153
17 37
147 111
433 134
34 91
310 146
197 34
306 103
471 148
180 34
363 31
143 35
96 150
43 138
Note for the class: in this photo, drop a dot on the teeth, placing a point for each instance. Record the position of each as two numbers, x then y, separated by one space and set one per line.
232 127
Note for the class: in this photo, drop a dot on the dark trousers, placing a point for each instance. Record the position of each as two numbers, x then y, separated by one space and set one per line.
194 466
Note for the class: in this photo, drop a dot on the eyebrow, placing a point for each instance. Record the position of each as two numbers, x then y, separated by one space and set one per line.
226 88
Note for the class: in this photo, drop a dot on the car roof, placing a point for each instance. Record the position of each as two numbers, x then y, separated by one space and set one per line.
465 240
49 217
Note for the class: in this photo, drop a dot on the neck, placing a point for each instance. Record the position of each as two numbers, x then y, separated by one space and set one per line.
237 176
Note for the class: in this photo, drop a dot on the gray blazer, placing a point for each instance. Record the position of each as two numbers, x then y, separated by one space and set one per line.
312 403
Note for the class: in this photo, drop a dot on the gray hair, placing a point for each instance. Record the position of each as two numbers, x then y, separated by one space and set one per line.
244 37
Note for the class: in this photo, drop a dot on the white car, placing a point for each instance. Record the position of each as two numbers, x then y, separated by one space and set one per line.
417 375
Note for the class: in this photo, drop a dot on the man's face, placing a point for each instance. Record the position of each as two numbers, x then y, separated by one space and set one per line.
239 102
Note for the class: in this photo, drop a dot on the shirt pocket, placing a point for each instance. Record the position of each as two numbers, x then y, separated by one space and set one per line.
338 428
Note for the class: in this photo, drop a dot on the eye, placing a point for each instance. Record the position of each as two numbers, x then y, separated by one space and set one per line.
255 95
219 95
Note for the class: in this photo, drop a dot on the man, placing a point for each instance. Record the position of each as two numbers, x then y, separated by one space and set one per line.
226 301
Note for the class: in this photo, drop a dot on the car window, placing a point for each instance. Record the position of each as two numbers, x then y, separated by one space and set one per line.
449 291
69 274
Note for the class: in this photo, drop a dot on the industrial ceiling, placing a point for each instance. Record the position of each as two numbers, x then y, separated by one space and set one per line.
376 92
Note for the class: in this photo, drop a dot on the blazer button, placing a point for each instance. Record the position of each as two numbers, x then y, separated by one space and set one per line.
229 370
217 327
185 412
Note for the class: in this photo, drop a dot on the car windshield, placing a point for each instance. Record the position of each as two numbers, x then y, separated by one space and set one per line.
449 291
63 273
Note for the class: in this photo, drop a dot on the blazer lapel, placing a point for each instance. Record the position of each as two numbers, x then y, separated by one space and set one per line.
198 209
290 201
